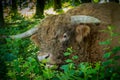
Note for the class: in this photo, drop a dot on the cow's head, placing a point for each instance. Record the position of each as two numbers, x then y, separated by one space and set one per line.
53 40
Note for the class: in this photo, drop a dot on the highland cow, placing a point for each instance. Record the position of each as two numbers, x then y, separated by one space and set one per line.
81 28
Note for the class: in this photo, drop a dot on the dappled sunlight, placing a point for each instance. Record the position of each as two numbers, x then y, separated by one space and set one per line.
49 11
6 12
66 9
27 12
66 4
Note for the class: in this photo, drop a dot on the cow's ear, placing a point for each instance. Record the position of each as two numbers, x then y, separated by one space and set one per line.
35 39
81 32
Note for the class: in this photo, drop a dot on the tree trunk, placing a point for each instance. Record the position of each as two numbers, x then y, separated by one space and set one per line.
1 14
20 2
14 6
86 1
40 4
57 4
75 2
117 1
5 3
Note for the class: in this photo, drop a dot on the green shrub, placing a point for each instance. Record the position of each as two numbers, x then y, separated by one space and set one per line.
19 57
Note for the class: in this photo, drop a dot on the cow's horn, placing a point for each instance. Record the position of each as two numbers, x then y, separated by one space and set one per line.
25 34
84 19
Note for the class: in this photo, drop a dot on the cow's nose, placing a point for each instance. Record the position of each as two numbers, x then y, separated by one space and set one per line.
42 56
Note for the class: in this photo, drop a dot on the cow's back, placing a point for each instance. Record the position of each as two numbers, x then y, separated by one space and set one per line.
107 12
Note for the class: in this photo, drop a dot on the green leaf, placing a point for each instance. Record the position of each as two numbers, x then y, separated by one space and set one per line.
65 67
68 60
83 67
67 53
39 78
25 65
107 42
96 1
71 65
107 55
70 50
97 65
114 34
75 57
91 71
116 49
116 57
108 62
109 28
48 73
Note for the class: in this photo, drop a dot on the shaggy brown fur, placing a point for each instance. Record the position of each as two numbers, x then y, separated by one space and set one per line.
56 33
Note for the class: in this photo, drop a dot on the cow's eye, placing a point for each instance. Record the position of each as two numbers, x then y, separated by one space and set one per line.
65 35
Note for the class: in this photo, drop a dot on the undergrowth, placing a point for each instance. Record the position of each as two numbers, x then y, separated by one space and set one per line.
19 60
